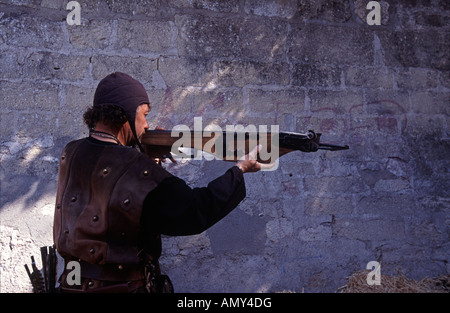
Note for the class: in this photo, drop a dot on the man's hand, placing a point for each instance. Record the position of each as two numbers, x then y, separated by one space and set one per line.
249 164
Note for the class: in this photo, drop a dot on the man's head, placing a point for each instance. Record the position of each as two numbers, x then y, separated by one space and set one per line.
121 103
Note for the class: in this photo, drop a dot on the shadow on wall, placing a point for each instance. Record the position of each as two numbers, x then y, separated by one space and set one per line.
29 169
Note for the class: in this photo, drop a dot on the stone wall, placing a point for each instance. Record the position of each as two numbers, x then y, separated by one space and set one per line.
382 89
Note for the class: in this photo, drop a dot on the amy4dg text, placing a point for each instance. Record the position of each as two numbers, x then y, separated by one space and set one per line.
225 303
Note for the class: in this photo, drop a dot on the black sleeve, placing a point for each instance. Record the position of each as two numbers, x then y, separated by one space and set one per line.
173 208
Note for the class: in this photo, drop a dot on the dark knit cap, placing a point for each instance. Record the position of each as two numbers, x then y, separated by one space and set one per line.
124 91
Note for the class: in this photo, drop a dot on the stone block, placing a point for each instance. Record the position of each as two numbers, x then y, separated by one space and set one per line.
198 36
420 125
277 101
396 152
156 97
141 68
11 63
36 124
133 7
425 232
331 44
51 66
262 40
371 127
439 186
369 229
146 36
225 102
316 75
71 125
325 186
431 103
328 126
393 185
327 10
273 187
445 79
432 219
265 119
26 3
387 102
8 124
242 73
225 6
248 236
93 34
255 39
279 229
335 164
390 204
29 96
52 4
316 233
77 101
285 9
96 7
429 153
437 18
286 122
425 49
328 206
187 71
386 112
369 77
25 31
335 102
417 78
